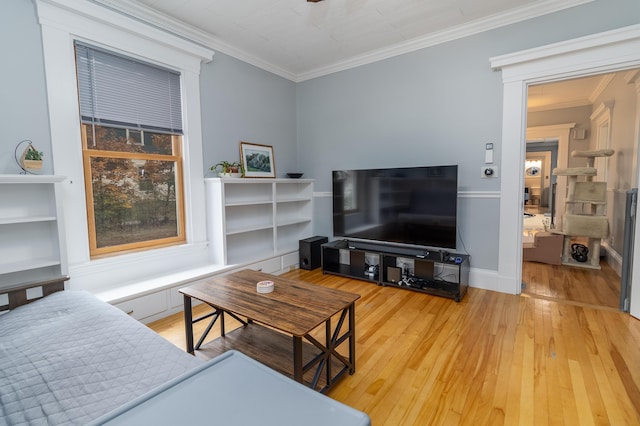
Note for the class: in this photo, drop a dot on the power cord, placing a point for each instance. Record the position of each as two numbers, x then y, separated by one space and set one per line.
462 241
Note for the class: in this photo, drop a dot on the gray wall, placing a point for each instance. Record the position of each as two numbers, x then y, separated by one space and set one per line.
439 105
622 165
239 101
243 103
23 99
418 109
579 115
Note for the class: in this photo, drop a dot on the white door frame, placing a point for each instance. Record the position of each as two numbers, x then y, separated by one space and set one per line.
610 51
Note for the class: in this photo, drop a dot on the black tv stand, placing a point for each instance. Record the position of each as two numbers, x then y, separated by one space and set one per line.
425 270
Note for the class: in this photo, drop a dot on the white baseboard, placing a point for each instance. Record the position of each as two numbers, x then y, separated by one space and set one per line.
614 259
489 280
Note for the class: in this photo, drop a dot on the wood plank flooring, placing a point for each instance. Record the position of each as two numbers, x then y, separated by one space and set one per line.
492 359
572 284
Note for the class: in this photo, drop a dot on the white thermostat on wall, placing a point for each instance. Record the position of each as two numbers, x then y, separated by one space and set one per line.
489 172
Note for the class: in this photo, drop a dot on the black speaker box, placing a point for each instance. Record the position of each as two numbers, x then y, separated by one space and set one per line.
424 269
394 274
311 253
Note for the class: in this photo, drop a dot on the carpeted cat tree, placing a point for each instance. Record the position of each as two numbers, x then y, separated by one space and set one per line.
584 214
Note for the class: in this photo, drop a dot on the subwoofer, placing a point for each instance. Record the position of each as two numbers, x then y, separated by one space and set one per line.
311 252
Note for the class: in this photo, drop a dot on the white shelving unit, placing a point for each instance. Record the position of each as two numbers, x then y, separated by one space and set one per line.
257 219
32 246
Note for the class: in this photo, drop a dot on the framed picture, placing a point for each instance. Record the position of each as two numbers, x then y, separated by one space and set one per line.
257 160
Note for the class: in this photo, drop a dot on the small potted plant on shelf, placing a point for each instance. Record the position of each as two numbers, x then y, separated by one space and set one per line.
32 158
227 169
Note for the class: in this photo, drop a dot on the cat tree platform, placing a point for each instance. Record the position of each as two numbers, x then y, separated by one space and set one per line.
584 209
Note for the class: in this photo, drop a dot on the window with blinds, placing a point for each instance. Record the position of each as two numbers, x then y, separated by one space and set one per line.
131 124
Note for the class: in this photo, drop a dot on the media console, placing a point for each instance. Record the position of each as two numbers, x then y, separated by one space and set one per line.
428 271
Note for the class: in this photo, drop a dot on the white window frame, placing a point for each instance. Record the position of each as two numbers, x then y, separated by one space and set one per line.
63 22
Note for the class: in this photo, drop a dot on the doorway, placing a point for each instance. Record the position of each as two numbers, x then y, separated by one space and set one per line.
541 158
591 128
567 59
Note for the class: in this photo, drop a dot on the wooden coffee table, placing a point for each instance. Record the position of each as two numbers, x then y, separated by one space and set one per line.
278 325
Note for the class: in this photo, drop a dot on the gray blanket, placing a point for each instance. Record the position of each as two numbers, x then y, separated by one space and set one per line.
70 358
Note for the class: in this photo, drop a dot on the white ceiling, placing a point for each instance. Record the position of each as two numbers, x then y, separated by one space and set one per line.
567 93
300 40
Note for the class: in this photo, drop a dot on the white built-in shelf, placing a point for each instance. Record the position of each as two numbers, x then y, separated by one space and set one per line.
31 229
249 203
26 265
291 200
14 220
252 219
292 222
31 178
242 230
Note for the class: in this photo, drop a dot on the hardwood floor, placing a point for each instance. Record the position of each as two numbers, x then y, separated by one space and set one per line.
598 288
492 359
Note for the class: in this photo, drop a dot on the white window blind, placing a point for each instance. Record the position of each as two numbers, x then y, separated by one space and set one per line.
118 91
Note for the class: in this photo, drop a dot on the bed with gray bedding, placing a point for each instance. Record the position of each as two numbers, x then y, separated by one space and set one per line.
70 358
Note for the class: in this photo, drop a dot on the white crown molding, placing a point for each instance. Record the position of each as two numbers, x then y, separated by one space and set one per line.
561 105
552 130
470 28
172 25
56 13
604 109
602 84
632 76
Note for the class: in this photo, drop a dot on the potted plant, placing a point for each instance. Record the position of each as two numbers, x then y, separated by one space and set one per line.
32 158
227 169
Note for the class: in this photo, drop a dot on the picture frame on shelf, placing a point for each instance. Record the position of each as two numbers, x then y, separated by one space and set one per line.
257 160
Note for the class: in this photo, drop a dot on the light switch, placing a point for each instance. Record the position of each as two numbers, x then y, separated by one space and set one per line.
488 153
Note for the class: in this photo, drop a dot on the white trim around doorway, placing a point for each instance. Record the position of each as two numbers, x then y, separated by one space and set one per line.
610 51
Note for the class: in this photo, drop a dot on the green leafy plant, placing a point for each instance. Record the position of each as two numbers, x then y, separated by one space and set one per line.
33 154
227 167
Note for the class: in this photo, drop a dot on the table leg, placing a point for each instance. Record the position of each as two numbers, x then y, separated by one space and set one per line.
329 348
188 323
297 359
352 337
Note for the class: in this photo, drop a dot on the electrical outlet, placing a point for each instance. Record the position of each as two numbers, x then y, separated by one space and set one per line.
489 172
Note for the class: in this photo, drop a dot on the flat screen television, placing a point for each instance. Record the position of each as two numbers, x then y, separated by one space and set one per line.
414 206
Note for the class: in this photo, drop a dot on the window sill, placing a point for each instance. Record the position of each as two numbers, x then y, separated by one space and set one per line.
141 288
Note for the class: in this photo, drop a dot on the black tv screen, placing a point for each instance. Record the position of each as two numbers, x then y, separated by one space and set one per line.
411 205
